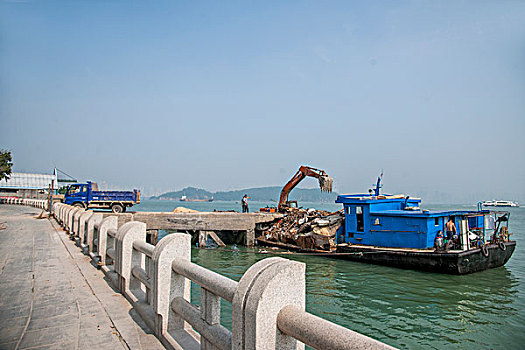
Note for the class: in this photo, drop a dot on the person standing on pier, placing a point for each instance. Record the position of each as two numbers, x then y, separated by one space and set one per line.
244 203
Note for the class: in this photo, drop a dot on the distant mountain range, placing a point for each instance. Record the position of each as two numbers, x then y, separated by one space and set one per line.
256 194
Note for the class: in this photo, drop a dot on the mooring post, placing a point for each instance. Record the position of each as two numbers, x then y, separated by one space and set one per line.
203 238
249 240
152 236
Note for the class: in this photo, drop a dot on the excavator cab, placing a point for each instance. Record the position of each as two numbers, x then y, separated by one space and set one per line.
288 205
292 204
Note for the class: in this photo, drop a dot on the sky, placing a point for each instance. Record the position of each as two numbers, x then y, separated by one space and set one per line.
227 95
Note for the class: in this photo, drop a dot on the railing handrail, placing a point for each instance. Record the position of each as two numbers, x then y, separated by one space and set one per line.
222 337
112 232
144 247
111 253
320 333
141 274
207 279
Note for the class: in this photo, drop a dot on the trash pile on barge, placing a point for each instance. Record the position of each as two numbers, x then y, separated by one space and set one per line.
306 229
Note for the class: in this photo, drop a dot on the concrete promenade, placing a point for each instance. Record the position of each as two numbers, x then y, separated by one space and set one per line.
51 296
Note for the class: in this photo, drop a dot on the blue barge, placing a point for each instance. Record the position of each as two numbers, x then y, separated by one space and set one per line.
392 230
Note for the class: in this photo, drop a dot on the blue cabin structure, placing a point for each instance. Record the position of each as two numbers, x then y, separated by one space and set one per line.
398 222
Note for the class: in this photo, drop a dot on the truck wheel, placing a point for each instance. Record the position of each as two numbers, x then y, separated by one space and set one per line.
117 208
79 205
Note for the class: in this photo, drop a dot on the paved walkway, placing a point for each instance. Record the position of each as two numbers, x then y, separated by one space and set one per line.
51 297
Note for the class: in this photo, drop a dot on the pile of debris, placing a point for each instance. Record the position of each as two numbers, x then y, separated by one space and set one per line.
306 228
184 210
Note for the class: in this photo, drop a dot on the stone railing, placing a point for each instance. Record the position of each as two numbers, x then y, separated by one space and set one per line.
268 302
37 203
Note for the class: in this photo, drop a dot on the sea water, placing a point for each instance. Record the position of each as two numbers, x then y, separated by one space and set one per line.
404 308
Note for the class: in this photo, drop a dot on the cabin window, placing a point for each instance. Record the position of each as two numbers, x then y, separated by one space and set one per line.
84 188
359 219
436 221
74 189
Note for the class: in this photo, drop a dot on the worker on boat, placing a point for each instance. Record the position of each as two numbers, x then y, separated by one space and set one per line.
450 227
244 203
439 241
451 239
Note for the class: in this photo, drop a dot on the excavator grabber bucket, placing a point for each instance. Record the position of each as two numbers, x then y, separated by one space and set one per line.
326 183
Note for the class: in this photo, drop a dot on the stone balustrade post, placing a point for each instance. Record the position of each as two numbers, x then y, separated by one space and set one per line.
67 209
82 225
62 214
75 226
125 257
65 214
89 229
111 222
267 287
63 208
55 210
69 222
167 285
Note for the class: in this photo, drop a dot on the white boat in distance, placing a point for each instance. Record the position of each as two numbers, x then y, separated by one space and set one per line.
500 204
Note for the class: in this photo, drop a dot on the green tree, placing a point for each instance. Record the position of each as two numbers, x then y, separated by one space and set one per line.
6 162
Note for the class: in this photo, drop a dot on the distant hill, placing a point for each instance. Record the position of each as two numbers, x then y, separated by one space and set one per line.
189 192
256 194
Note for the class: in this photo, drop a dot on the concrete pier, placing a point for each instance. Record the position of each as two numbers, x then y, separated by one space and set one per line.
52 297
205 221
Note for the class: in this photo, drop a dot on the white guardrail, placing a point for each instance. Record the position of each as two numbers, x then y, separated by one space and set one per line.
268 303
37 203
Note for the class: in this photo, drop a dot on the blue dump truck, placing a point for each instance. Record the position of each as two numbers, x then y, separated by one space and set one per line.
87 196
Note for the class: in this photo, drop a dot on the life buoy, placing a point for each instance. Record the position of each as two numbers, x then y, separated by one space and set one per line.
485 251
502 246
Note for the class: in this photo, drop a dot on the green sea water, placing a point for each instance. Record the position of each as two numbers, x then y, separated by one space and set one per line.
404 308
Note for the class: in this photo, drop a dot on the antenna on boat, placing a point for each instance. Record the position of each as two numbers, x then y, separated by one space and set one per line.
378 184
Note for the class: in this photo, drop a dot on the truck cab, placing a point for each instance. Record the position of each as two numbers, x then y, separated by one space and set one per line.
76 195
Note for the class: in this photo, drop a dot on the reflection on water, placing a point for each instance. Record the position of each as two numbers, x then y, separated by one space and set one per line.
405 308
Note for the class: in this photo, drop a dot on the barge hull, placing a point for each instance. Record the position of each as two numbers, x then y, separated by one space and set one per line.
457 263
450 262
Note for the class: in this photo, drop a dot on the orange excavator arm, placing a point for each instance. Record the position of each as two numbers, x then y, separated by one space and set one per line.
325 183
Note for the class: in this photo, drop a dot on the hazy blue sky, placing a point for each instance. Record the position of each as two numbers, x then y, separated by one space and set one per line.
226 95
